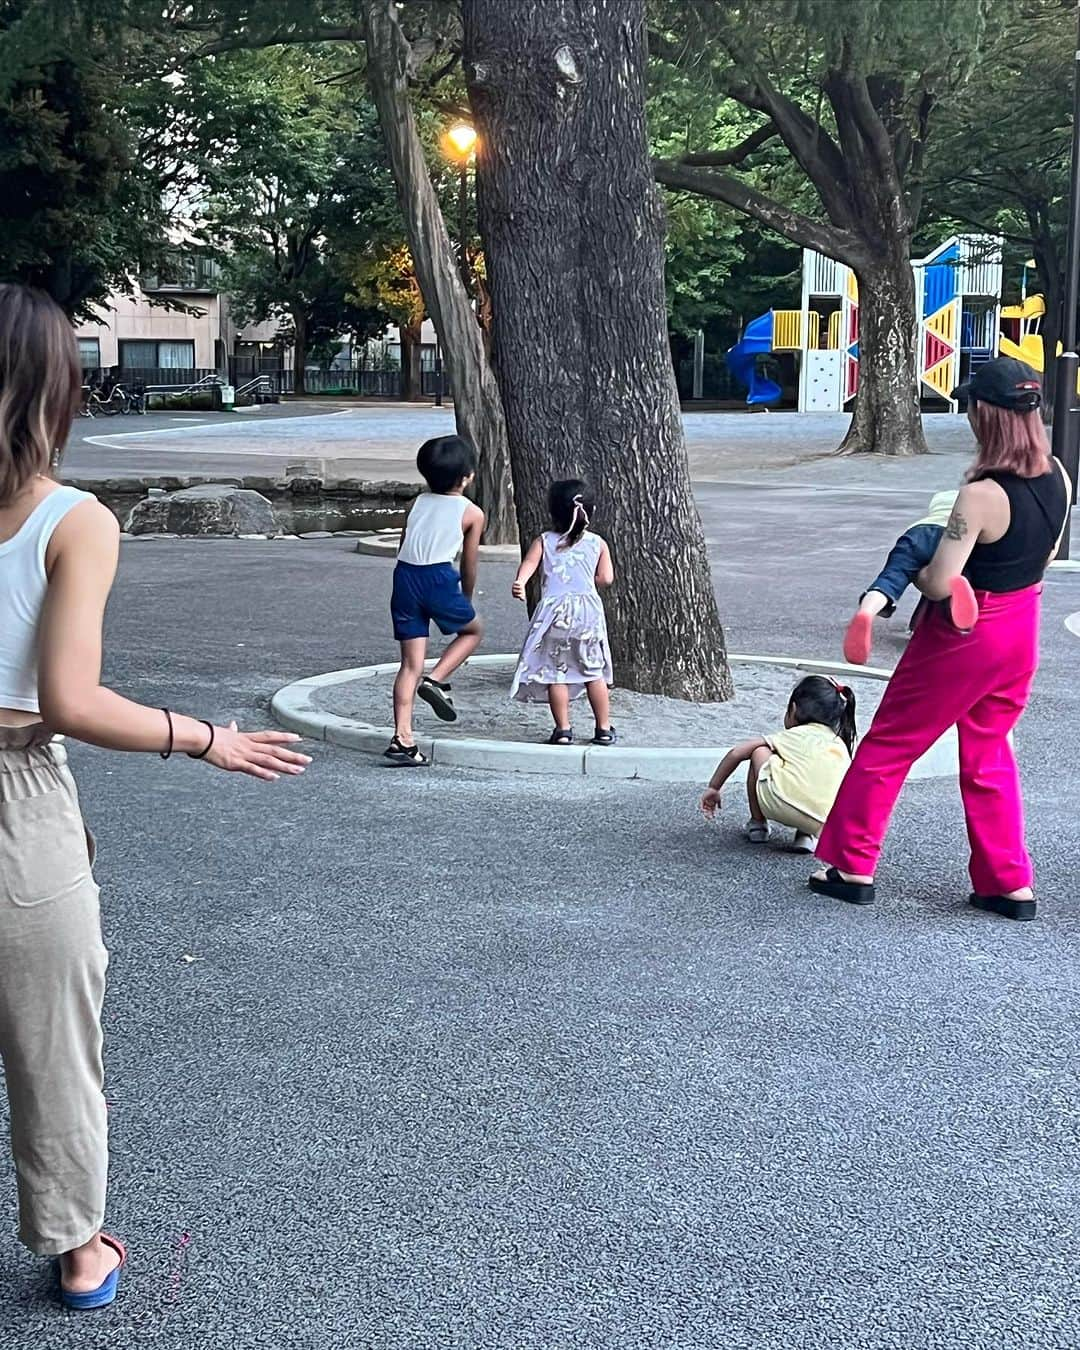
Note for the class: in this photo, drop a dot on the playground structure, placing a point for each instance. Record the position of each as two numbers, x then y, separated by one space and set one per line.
1020 335
958 289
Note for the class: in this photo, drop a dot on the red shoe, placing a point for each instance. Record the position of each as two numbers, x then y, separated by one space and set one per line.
963 606
858 638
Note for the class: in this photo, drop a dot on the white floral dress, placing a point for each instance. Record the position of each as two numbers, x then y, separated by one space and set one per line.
567 642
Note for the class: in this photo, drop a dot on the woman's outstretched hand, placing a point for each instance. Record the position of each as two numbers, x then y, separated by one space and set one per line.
710 800
262 754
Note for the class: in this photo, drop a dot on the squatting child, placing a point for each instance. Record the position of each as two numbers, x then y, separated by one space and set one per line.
794 775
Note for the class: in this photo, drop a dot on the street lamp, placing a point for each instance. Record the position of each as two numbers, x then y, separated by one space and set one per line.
1066 431
459 144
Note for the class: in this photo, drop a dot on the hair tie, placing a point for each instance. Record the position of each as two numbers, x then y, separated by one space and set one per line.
579 507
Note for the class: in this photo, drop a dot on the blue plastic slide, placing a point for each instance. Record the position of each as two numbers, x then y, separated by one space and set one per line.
757 337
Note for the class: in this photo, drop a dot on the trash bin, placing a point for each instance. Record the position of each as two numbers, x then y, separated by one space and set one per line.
228 396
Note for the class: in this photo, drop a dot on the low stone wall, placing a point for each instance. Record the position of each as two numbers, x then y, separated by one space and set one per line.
302 503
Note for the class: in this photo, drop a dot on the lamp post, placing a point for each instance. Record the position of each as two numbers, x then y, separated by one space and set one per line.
1066 430
459 144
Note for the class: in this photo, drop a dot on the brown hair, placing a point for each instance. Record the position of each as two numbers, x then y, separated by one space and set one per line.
40 385
1009 442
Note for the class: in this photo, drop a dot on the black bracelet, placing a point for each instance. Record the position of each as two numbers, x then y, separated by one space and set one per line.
209 745
168 717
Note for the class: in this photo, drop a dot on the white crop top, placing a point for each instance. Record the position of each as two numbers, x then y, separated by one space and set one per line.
23 585
433 532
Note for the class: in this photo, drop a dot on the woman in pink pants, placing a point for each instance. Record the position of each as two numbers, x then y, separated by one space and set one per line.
1003 532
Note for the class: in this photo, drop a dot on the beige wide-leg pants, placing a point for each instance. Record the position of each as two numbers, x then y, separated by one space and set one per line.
52 982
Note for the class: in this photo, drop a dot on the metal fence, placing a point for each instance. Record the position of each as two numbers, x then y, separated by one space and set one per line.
358 382
148 375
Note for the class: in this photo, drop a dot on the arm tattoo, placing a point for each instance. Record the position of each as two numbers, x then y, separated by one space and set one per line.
957 527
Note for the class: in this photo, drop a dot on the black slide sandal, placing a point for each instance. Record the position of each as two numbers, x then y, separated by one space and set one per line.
1023 911
561 736
604 736
834 885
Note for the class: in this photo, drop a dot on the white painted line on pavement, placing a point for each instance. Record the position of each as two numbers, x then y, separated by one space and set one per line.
206 426
1072 623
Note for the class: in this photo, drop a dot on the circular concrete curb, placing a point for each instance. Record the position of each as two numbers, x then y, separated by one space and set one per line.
294 708
384 544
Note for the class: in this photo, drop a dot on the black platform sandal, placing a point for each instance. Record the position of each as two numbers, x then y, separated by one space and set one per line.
604 736
405 756
561 736
834 885
1023 911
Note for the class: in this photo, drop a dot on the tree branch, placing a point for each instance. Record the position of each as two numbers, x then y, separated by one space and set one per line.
280 37
719 159
800 229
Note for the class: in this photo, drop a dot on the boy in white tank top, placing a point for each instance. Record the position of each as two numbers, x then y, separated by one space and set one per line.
442 524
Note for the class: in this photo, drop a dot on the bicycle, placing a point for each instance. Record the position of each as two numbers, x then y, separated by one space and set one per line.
111 405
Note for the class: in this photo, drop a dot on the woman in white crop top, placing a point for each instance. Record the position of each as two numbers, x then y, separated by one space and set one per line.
58 556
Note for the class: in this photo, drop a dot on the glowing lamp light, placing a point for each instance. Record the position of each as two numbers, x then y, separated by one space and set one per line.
461 140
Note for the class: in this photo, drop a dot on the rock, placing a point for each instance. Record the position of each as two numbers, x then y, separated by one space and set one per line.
305 485
317 534
210 509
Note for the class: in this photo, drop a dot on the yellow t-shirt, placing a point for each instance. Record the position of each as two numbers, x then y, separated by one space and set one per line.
941 505
807 767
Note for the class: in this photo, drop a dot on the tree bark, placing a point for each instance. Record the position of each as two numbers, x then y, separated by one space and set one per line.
478 407
573 238
1052 275
411 385
300 345
886 418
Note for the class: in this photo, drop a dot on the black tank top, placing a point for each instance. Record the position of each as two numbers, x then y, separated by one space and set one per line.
1018 558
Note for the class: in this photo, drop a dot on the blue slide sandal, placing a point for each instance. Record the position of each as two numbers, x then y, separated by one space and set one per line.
105 1293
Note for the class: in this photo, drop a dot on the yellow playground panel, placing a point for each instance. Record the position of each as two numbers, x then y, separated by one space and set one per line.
1030 347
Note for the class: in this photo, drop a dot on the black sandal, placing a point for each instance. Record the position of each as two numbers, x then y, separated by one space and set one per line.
834 885
604 736
561 736
1023 911
437 697
407 756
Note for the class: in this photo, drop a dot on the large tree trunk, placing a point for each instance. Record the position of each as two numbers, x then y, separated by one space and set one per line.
299 319
886 419
477 405
1051 273
573 237
411 382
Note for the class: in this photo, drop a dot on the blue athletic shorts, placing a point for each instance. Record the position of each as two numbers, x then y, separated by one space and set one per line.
425 594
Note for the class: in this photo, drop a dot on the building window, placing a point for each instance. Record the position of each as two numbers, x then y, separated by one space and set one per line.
184 272
90 353
157 355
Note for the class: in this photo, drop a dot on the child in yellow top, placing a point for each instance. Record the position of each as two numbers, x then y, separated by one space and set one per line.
794 775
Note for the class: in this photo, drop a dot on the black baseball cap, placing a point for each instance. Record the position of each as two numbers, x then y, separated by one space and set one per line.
1005 382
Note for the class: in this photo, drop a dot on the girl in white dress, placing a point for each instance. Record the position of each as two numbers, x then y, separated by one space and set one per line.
566 652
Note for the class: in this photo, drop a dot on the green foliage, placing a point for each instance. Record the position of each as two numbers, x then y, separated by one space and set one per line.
289 166
81 208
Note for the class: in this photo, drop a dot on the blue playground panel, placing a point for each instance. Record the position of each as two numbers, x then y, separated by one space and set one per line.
940 281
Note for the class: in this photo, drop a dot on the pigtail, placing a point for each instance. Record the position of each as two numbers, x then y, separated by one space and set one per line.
579 523
847 730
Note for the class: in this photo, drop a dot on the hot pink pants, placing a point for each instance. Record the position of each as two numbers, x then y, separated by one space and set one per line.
980 682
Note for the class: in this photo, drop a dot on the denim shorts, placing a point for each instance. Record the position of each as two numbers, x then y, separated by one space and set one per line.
426 594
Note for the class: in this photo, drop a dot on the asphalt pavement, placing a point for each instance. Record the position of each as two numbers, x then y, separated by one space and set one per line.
417 1060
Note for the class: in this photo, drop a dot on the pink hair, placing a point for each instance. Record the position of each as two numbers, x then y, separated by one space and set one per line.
1009 442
